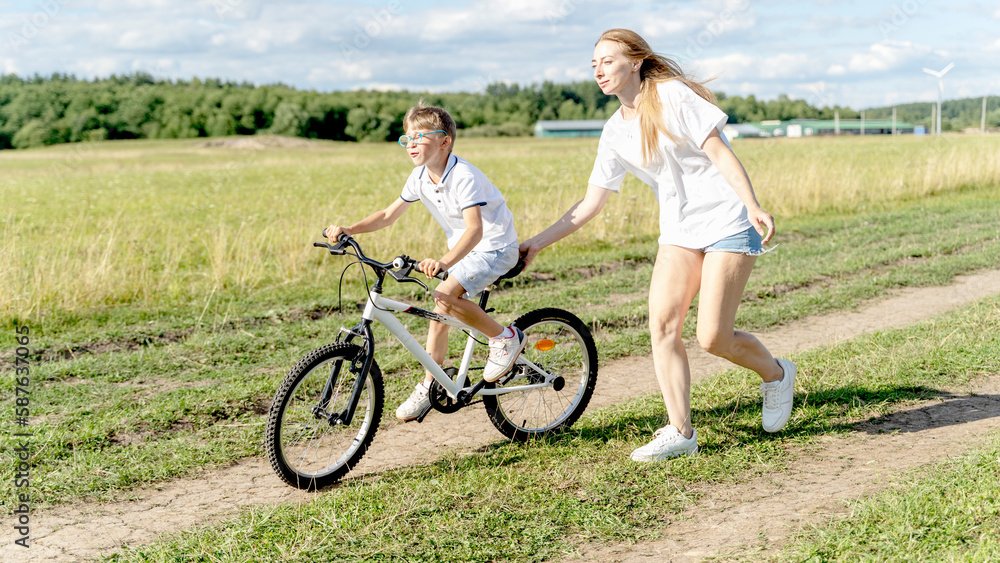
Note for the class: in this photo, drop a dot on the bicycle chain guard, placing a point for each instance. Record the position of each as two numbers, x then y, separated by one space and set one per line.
439 398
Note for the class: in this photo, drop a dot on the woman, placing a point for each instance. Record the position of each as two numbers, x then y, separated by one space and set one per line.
667 134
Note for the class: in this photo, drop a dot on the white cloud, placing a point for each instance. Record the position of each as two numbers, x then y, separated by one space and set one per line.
699 25
8 66
819 93
565 74
488 19
741 66
99 66
887 55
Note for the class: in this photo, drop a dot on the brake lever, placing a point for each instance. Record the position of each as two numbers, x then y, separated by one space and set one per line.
404 265
335 249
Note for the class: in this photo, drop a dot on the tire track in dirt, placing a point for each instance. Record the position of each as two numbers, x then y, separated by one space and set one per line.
83 530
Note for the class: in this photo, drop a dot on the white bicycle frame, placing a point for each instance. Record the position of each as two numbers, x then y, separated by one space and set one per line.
381 309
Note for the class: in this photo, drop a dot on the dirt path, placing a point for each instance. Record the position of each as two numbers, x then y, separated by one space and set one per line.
725 525
79 531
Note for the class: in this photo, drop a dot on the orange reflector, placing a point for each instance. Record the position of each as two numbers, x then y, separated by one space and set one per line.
545 345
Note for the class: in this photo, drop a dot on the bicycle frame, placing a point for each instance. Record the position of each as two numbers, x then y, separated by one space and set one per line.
382 309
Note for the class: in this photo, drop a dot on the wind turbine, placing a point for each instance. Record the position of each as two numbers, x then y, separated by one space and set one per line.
940 76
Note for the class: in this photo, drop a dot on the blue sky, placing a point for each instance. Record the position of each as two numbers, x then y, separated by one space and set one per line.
854 53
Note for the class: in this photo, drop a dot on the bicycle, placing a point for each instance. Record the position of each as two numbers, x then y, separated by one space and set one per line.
328 408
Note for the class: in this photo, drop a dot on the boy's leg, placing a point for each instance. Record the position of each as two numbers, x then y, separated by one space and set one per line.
419 401
505 345
449 301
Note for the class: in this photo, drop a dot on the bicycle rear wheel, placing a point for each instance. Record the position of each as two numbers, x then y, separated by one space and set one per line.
561 345
306 443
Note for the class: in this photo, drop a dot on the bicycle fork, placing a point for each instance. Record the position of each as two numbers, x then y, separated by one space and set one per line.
363 329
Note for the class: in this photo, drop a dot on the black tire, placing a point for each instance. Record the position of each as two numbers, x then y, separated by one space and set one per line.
524 415
305 449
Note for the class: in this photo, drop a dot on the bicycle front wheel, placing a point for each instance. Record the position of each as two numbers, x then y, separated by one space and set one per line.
562 346
307 442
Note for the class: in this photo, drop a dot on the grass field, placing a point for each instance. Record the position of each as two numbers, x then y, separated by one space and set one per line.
157 224
168 287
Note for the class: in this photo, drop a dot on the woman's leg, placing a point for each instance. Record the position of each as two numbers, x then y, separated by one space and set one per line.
675 281
724 276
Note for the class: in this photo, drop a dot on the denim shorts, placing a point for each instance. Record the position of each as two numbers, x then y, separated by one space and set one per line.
480 269
748 242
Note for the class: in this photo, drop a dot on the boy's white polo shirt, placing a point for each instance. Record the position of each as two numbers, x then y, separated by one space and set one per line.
462 186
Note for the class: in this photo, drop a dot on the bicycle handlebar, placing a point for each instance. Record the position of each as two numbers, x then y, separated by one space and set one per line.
400 267
404 264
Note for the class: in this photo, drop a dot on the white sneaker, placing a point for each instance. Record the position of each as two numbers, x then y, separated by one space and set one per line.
778 398
503 352
667 442
415 406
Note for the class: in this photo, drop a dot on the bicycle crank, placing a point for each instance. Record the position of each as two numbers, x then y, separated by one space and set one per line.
439 398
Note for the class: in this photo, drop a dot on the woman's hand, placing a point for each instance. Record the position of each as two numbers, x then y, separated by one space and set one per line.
761 220
528 250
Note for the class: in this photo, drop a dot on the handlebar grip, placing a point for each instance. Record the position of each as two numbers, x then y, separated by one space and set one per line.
341 238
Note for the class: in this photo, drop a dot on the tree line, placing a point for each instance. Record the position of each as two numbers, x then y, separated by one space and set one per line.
60 108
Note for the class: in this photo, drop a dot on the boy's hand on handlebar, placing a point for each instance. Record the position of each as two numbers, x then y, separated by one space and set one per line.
431 267
334 231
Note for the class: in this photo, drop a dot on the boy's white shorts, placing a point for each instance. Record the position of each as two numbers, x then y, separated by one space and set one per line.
477 270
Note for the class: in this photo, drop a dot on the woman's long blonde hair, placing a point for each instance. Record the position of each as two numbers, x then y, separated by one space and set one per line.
654 70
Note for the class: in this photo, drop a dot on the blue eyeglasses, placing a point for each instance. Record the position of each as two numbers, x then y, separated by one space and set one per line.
405 140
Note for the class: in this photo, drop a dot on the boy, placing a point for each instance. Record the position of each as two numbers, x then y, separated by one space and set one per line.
482 242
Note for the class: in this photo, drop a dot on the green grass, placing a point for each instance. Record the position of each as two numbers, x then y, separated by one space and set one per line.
168 224
512 502
168 288
948 512
173 375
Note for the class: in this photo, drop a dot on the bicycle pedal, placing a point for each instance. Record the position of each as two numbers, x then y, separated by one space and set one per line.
424 414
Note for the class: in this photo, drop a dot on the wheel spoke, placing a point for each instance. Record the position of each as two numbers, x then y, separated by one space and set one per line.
536 411
307 450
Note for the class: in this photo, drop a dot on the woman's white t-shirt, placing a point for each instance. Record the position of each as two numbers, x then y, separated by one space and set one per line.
698 207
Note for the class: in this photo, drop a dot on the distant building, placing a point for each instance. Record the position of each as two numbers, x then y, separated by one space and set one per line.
570 128
810 127
741 130
772 128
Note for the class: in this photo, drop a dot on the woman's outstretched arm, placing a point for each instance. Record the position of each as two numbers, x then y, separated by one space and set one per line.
576 217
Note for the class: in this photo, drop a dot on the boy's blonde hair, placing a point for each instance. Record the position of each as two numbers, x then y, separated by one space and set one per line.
429 117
